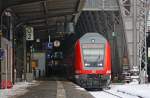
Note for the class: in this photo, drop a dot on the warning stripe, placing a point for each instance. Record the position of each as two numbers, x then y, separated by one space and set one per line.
60 90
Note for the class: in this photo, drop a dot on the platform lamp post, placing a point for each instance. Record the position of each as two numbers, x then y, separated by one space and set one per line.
0 60
8 14
10 18
143 46
114 34
1 30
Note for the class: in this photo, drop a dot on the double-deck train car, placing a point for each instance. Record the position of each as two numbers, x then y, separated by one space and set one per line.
92 61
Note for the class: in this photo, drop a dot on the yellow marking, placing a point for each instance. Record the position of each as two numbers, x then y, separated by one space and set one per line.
60 90
1 33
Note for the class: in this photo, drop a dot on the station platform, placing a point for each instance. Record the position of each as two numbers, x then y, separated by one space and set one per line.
51 88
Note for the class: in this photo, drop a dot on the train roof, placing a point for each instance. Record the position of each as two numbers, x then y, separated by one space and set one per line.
88 37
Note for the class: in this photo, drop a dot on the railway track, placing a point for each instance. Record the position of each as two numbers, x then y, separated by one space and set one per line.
121 96
116 95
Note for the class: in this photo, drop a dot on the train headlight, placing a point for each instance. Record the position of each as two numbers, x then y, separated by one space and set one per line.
100 65
108 72
86 64
77 76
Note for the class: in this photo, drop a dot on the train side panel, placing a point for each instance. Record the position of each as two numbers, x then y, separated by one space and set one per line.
108 59
78 58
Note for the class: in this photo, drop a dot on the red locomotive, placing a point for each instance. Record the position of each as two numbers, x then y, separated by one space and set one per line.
92 61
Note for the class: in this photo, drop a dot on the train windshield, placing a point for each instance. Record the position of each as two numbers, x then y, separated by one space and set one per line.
93 55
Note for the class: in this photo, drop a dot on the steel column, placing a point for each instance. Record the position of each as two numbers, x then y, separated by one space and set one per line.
133 14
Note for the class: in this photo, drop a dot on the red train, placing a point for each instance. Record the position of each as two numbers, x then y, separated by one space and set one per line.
92 63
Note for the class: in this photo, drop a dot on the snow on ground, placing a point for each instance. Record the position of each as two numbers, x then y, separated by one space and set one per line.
125 91
100 94
18 89
79 88
142 90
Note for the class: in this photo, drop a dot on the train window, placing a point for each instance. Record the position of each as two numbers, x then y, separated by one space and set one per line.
93 57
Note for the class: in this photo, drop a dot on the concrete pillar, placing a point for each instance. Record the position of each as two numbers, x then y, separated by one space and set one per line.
0 37
0 6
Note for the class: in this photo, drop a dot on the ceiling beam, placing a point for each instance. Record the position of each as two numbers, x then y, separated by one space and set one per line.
79 7
36 25
45 11
12 3
44 31
53 27
36 21
27 19
49 10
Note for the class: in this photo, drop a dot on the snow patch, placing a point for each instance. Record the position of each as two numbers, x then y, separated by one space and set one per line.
79 88
134 81
136 90
131 90
101 94
19 88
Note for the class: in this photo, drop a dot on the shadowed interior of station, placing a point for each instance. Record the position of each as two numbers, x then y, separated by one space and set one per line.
49 19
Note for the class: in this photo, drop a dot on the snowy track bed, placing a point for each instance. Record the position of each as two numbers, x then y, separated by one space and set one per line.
142 91
124 91
119 95
110 94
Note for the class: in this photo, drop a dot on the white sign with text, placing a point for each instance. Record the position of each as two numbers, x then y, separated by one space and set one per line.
29 33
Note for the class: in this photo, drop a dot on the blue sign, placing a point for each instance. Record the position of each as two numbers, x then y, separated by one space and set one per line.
2 53
50 45
48 54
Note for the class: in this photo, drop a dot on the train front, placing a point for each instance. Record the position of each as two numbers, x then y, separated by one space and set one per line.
92 61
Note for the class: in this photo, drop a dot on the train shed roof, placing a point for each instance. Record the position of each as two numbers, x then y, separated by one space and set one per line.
43 15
